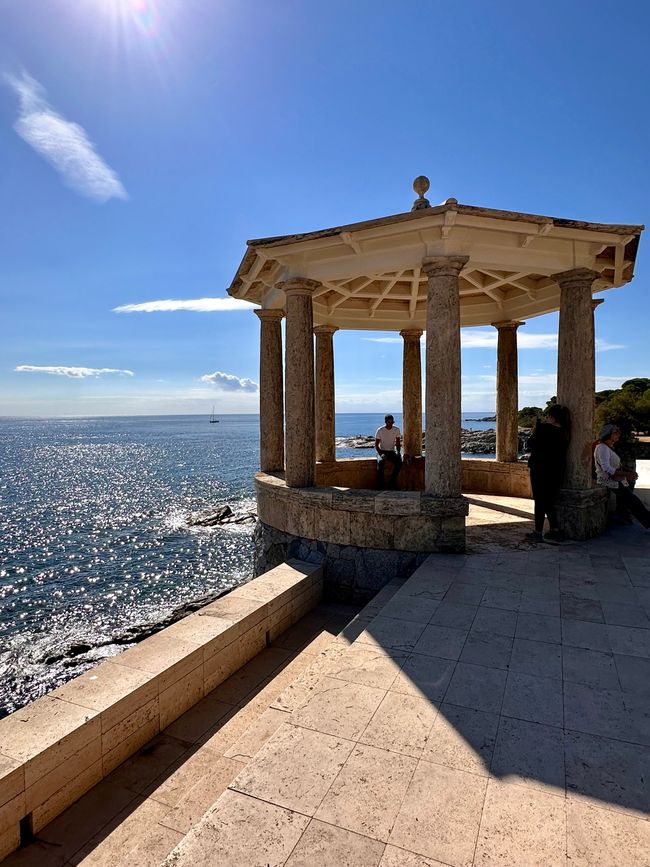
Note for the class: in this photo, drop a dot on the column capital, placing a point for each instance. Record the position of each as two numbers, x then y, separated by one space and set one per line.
508 323
299 286
444 266
596 302
576 277
325 329
272 315
411 334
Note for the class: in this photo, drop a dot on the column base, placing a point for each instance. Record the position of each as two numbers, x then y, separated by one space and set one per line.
582 514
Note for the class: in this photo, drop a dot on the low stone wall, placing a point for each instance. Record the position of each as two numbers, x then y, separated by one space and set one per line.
363 537
479 476
496 477
57 748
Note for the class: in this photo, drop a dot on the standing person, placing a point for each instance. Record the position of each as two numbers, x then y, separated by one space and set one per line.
388 443
547 463
610 475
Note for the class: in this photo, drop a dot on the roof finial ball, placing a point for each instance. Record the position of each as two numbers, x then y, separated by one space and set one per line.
420 186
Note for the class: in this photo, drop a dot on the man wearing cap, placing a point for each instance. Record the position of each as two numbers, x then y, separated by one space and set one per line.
388 443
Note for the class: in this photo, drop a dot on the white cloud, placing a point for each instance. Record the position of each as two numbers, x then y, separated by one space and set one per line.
229 382
62 143
197 305
474 338
71 372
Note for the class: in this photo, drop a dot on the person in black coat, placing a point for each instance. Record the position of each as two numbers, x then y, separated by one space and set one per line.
547 463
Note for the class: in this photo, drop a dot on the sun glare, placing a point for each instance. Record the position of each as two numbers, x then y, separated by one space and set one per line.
144 14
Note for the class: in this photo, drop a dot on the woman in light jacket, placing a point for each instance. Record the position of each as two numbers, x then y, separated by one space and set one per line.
610 475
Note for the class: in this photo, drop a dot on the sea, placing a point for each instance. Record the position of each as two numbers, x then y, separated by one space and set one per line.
95 548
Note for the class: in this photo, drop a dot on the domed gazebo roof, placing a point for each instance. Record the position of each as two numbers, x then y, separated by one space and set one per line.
371 272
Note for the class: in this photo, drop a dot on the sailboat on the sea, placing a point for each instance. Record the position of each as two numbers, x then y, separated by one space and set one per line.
213 418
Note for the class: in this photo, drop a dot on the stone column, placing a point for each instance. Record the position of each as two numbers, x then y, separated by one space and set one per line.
299 383
412 393
324 392
442 466
271 391
507 391
595 304
575 370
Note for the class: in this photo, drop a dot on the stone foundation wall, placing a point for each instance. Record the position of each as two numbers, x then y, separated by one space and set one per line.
350 573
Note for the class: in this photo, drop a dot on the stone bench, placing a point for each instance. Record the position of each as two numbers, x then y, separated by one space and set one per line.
58 747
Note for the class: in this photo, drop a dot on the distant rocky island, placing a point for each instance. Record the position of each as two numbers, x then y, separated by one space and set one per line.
475 442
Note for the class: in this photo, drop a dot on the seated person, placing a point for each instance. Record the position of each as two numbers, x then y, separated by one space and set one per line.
610 475
388 443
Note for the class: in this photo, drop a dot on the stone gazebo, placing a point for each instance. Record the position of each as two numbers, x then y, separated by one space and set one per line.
432 270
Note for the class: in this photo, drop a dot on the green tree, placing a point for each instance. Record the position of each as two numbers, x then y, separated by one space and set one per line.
529 415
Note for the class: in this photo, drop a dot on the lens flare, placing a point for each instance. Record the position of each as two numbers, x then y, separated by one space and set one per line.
145 15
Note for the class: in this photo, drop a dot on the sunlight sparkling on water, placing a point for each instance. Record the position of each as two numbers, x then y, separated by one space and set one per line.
92 522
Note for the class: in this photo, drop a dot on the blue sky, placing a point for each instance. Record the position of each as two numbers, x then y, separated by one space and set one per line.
143 141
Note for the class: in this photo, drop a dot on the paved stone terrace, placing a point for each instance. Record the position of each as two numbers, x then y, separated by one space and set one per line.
493 709
496 711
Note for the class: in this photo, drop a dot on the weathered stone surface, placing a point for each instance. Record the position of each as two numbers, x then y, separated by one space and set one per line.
507 390
582 514
324 393
271 386
412 393
442 469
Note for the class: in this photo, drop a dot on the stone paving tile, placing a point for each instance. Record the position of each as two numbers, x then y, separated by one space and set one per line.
366 795
134 830
401 724
336 707
477 687
454 614
324 845
598 711
633 674
402 608
140 771
427 676
442 641
70 831
499 597
629 641
537 627
466 594
591 636
394 857
536 657
200 796
463 739
531 753
387 633
625 615
294 769
486 648
440 814
612 771
575 608
536 699
495 620
590 667
521 826
257 734
604 838
367 665
236 826
536 605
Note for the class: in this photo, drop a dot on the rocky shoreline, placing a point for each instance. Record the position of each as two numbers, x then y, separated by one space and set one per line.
475 442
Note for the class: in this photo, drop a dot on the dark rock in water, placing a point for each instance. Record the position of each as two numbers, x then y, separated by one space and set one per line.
211 518
78 649
218 517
